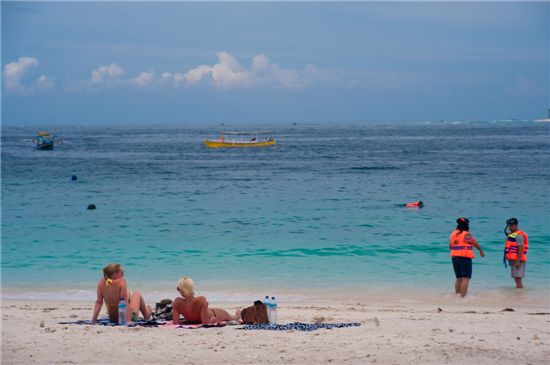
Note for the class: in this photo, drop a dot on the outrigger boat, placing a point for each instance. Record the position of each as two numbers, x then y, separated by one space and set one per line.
240 139
44 141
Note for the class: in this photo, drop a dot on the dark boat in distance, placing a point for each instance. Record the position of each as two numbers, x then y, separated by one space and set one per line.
44 141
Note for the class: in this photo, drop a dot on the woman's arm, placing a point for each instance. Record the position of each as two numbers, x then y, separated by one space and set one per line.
124 295
176 311
98 303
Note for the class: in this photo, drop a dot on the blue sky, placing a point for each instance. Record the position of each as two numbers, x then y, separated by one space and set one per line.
84 63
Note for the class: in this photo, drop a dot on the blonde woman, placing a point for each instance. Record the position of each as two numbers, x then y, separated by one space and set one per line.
195 309
111 288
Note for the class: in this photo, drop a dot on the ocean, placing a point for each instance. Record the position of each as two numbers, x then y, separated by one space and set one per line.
318 212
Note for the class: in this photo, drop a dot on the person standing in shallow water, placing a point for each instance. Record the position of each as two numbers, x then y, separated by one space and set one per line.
516 241
461 245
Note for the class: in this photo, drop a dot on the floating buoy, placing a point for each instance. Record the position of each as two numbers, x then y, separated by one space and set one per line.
91 207
74 178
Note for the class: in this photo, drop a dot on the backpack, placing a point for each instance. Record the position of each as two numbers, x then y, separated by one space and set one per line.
163 310
255 314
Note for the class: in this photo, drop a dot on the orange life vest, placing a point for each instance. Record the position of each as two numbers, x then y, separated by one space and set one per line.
413 205
511 248
459 246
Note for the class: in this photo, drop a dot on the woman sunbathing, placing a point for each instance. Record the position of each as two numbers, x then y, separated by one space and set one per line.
112 288
195 309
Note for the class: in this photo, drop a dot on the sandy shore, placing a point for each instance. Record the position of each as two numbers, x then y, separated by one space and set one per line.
391 333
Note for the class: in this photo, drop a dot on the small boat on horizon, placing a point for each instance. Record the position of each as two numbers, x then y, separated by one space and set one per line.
44 141
240 139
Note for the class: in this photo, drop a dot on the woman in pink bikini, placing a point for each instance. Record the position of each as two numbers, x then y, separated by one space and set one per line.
195 309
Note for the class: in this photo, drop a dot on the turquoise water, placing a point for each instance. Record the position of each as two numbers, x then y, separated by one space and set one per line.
318 210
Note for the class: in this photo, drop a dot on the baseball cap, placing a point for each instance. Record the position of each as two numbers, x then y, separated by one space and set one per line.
463 221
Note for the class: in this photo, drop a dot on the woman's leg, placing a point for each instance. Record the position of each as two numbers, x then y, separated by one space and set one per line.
221 315
137 304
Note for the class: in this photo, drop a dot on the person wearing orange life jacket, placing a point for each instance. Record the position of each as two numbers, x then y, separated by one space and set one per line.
461 245
418 204
515 250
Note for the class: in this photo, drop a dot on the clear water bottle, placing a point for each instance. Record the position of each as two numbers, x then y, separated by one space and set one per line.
122 311
268 307
273 315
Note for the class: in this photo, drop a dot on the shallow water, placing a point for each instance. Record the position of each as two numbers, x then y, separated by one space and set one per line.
318 210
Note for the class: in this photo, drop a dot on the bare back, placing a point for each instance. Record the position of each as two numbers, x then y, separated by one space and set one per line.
192 310
112 293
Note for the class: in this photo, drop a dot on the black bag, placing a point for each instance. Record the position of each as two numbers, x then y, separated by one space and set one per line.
163 310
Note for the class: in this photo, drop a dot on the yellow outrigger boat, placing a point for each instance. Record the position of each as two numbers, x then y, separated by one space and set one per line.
243 140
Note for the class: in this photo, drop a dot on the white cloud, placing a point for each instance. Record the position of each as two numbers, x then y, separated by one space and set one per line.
14 72
195 75
45 83
226 74
173 79
229 74
106 74
144 79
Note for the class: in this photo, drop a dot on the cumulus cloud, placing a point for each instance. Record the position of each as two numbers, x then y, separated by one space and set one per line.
144 79
172 79
106 74
226 74
45 83
229 74
15 71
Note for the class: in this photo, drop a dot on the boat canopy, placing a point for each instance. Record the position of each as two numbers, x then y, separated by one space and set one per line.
43 133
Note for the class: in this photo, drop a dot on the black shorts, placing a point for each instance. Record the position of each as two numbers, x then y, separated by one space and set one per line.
462 266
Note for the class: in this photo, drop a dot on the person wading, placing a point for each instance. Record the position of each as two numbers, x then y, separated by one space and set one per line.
461 245
516 242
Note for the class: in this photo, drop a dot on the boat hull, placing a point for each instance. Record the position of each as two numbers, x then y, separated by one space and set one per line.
45 146
237 144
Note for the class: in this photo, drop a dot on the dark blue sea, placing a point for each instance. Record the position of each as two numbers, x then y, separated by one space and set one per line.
319 210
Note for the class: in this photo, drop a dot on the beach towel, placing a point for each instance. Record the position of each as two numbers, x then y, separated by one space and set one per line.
198 325
106 322
151 323
297 326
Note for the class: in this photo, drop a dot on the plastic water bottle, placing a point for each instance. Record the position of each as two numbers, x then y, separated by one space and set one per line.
273 315
268 307
122 311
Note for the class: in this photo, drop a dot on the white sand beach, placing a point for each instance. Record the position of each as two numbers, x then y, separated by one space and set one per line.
457 332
